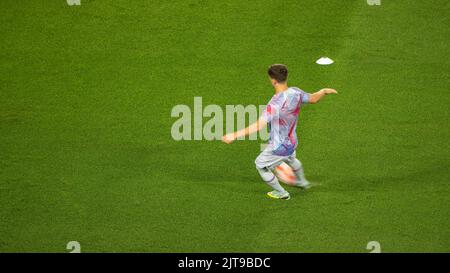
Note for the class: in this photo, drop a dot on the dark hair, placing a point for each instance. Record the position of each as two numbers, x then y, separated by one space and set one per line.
278 72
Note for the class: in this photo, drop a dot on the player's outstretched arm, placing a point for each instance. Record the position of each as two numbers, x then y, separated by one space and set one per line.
315 98
253 128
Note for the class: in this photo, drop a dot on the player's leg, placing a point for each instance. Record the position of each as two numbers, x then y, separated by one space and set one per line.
278 191
297 167
263 163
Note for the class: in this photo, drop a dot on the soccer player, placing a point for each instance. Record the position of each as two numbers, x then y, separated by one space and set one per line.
281 116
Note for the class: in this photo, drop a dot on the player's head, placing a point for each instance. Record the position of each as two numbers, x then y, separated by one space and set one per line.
278 73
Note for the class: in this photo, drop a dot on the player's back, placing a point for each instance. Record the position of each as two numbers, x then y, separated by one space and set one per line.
284 108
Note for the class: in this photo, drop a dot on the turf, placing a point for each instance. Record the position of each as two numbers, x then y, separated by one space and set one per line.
86 152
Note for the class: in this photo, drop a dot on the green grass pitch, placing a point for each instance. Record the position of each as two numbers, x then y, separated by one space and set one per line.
86 152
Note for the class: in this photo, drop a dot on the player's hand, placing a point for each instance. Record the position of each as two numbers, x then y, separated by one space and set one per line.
228 138
327 91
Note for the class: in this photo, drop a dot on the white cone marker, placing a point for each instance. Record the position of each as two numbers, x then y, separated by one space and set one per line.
324 61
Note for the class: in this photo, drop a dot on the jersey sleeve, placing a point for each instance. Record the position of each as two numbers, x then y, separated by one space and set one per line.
304 97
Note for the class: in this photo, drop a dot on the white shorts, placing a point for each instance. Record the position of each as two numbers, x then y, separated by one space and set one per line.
268 160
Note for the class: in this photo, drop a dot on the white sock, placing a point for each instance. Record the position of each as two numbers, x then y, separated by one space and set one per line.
270 179
276 185
297 167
